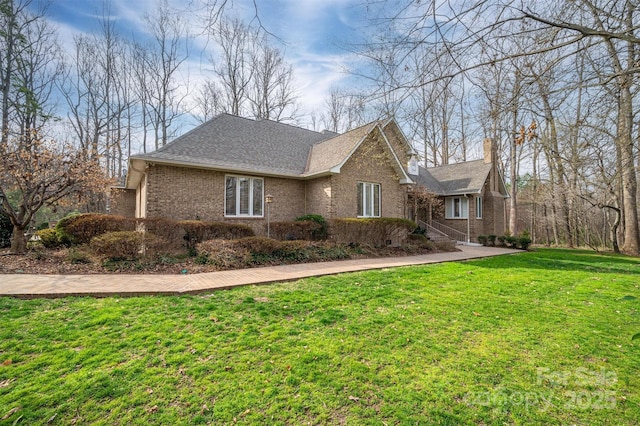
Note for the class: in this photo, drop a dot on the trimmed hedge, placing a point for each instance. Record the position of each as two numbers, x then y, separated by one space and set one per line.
61 228
196 231
126 245
169 230
252 251
80 229
376 232
297 230
319 234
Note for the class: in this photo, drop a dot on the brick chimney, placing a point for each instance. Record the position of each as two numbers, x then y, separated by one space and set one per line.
491 157
490 152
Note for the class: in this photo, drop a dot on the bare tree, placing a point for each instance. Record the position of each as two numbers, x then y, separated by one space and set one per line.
233 68
21 34
476 37
271 95
343 110
167 53
209 101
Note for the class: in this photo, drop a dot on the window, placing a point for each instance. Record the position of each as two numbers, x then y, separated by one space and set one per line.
368 199
456 208
243 196
478 207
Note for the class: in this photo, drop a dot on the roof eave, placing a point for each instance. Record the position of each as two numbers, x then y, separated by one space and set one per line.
462 192
226 169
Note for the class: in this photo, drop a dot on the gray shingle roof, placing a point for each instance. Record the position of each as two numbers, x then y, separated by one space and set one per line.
232 143
235 143
459 178
428 181
331 153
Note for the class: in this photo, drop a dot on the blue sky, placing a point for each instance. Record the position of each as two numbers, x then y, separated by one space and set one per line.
313 34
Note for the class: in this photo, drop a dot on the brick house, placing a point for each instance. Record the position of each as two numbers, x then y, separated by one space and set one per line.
224 169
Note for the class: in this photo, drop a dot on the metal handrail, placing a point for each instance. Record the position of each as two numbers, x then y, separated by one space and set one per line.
452 233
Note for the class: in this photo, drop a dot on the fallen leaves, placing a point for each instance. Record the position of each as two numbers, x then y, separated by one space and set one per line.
7 362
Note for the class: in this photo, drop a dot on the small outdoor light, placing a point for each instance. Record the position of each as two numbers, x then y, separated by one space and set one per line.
268 199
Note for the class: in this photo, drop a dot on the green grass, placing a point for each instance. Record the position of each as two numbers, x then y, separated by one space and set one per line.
533 338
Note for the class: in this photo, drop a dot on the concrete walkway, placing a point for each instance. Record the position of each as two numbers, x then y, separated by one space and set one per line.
32 286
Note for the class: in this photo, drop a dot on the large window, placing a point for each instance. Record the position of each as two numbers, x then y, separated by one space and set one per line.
243 196
368 199
478 207
456 208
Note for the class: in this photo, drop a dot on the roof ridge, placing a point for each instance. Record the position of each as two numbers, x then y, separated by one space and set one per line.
258 120
454 164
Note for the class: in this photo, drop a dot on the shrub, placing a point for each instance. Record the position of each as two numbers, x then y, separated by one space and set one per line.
421 241
524 242
196 231
482 239
501 241
260 246
83 228
48 238
298 230
419 231
126 245
6 229
321 233
376 232
251 251
61 228
78 256
491 239
42 225
510 240
223 254
80 229
169 230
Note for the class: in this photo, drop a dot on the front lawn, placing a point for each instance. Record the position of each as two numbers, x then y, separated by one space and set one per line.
534 338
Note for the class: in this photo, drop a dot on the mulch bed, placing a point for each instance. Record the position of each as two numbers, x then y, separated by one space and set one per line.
58 262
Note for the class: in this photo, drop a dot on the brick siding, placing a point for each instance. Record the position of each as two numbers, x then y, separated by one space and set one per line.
122 202
370 163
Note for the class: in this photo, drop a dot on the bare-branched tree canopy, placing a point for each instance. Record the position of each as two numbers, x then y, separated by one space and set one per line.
452 73
570 66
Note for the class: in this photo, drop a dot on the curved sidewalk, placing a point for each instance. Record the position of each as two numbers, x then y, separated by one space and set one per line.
33 286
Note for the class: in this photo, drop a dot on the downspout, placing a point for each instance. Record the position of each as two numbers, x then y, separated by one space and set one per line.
468 218
144 175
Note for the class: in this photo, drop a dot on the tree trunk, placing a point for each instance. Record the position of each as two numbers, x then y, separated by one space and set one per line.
629 185
614 232
18 240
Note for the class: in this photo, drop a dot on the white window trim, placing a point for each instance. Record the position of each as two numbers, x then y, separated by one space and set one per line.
371 185
479 211
251 180
463 214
